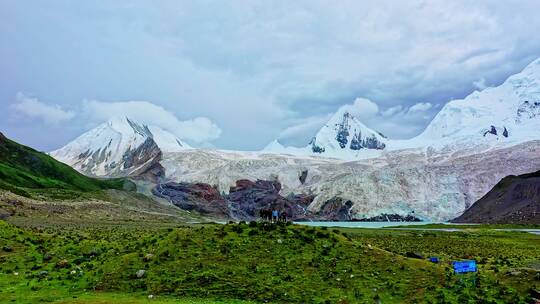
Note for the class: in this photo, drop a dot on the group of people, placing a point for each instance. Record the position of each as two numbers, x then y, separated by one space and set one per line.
273 215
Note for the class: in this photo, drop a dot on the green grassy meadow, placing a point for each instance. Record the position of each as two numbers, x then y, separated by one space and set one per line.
261 263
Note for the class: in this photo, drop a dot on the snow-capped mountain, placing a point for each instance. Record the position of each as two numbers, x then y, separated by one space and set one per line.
118 147
344 132
497 116
500 116
343 136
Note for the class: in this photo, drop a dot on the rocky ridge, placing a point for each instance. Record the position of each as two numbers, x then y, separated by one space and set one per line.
515 199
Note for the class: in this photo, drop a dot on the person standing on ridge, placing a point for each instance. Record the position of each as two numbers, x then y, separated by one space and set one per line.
275 216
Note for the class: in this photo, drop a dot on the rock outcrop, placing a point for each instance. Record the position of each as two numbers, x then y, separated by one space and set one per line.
248 198
336 209
199 197
391 218
245 201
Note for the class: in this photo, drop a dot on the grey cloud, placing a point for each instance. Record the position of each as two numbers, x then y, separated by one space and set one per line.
259 68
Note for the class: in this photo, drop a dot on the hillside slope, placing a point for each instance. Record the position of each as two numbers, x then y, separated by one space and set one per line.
23 168
514 200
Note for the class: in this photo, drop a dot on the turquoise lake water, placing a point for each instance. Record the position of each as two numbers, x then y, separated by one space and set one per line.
362 224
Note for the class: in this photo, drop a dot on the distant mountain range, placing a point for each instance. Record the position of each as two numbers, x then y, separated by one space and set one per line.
468 147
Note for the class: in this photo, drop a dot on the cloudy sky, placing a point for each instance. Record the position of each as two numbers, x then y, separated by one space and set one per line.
238 74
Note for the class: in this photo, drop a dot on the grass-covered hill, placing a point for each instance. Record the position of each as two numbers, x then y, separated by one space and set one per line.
260 263
26 172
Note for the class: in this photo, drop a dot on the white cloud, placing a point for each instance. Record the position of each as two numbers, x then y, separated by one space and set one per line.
420 107
302 130
391 111
33 108
199 129
362 108
314 56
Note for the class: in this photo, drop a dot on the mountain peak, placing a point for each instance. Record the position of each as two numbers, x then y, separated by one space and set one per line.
343 136
166 141
125 125
345 132
117 147
505 114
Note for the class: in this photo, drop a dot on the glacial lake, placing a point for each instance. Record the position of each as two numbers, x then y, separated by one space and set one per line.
363 224
394 224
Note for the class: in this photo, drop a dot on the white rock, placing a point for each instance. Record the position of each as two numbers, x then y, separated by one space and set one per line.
140 273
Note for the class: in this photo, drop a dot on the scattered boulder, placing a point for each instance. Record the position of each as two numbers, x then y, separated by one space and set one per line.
415 255
14 202
148 257
140 273
47 257
43 273
62 263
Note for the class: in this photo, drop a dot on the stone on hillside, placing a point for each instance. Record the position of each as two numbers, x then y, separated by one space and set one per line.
47 257
140 273
43 273
148 257
62 263
415 255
